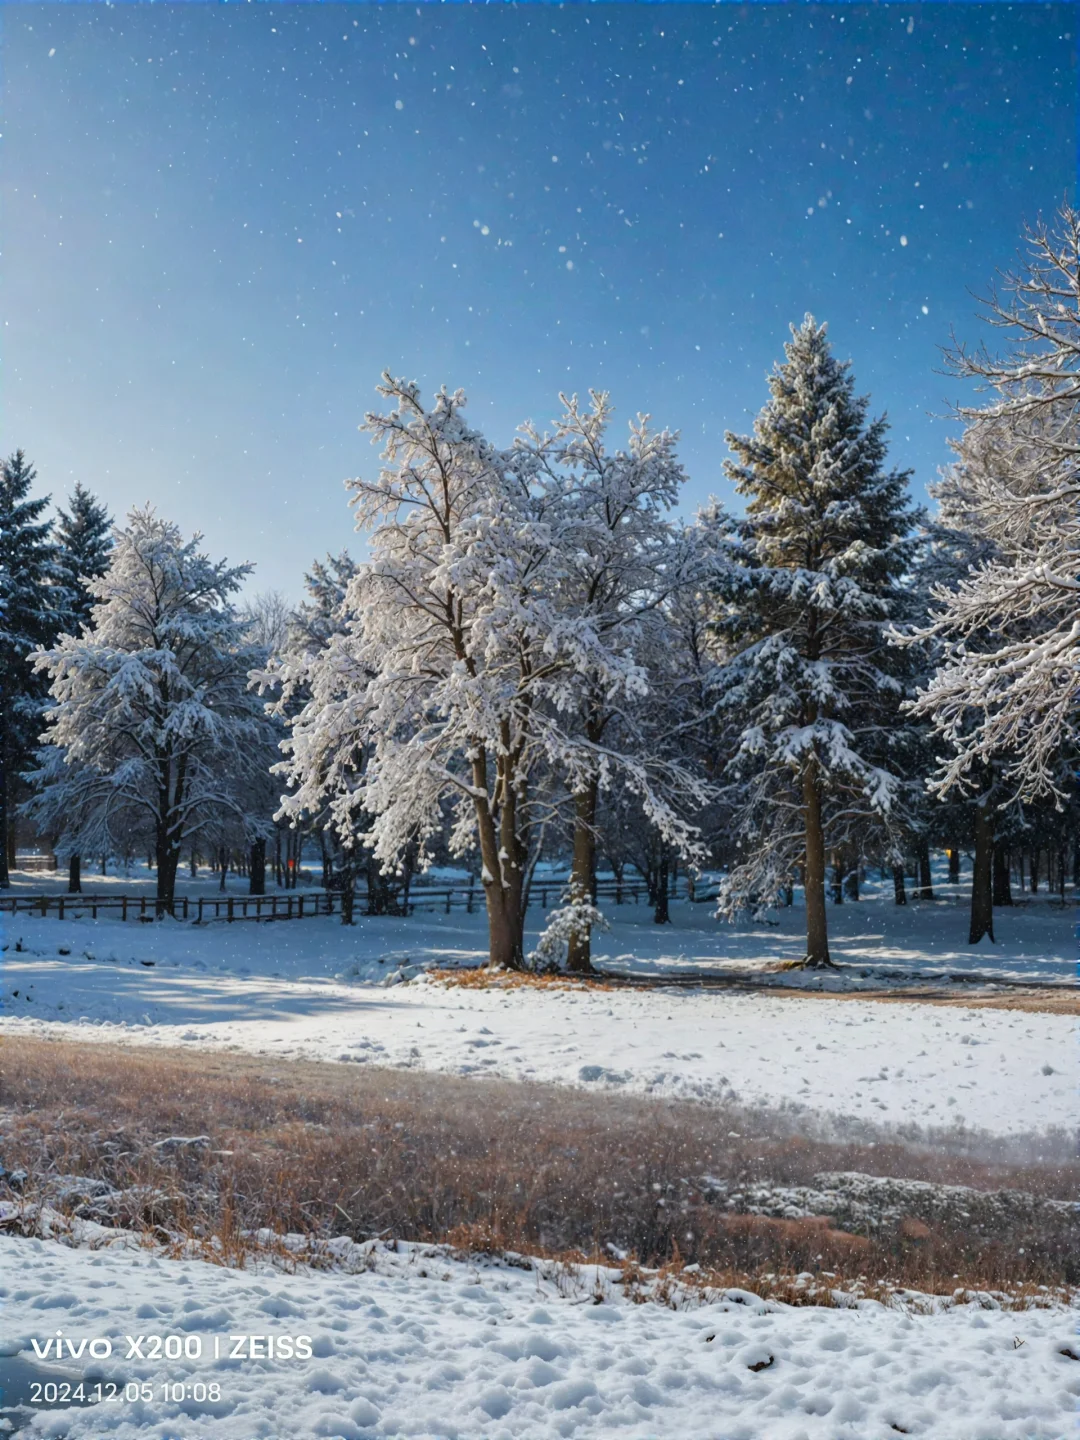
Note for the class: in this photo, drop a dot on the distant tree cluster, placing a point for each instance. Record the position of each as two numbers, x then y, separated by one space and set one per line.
536 661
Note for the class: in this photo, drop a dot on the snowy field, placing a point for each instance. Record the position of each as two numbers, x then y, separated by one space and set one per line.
441 1348
422 1346
318 989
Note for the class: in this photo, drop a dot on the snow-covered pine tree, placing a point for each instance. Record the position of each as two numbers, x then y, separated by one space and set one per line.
28 619
805 592
150 704
316 618
83 537
1009 628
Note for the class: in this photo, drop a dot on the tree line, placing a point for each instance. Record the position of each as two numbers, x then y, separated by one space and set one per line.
538 660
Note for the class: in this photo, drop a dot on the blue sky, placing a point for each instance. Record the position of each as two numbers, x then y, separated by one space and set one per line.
221 223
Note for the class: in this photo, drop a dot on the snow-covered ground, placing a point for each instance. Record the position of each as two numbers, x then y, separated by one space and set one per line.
423 1346
271 989
1035 939
435 1347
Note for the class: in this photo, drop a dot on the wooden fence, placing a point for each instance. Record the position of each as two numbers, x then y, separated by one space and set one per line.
306 904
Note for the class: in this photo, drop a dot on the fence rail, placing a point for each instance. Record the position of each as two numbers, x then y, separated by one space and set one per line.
306 904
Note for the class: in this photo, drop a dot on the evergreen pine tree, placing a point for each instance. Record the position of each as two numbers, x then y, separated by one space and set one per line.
28 591
807 588
151 704
83 537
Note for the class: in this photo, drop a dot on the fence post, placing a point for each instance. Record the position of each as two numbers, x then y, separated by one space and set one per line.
300 907
93 909
273 908
229 912
200 909
288 913
449 892
61 906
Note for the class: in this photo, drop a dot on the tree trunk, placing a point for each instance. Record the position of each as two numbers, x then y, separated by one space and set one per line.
194 864
851 883
75 874
899 893
1002 889
1034 872
223 866
982 893
817 935
954 866
926 888
257 868
579 950
660 913
5 874
168 861
505 927
347 885
348 896
838 879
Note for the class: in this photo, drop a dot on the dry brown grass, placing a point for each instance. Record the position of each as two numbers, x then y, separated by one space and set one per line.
1037 1000
488 1166
480 977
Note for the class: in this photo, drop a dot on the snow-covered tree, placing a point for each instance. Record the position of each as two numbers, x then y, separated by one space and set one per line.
316 618
150 704
83 537
805 589
1010 633
621 559
952 545
28 619
310 626
449 701
267 618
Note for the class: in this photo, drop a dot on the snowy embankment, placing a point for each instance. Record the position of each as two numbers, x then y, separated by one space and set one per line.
311 989
424 1346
